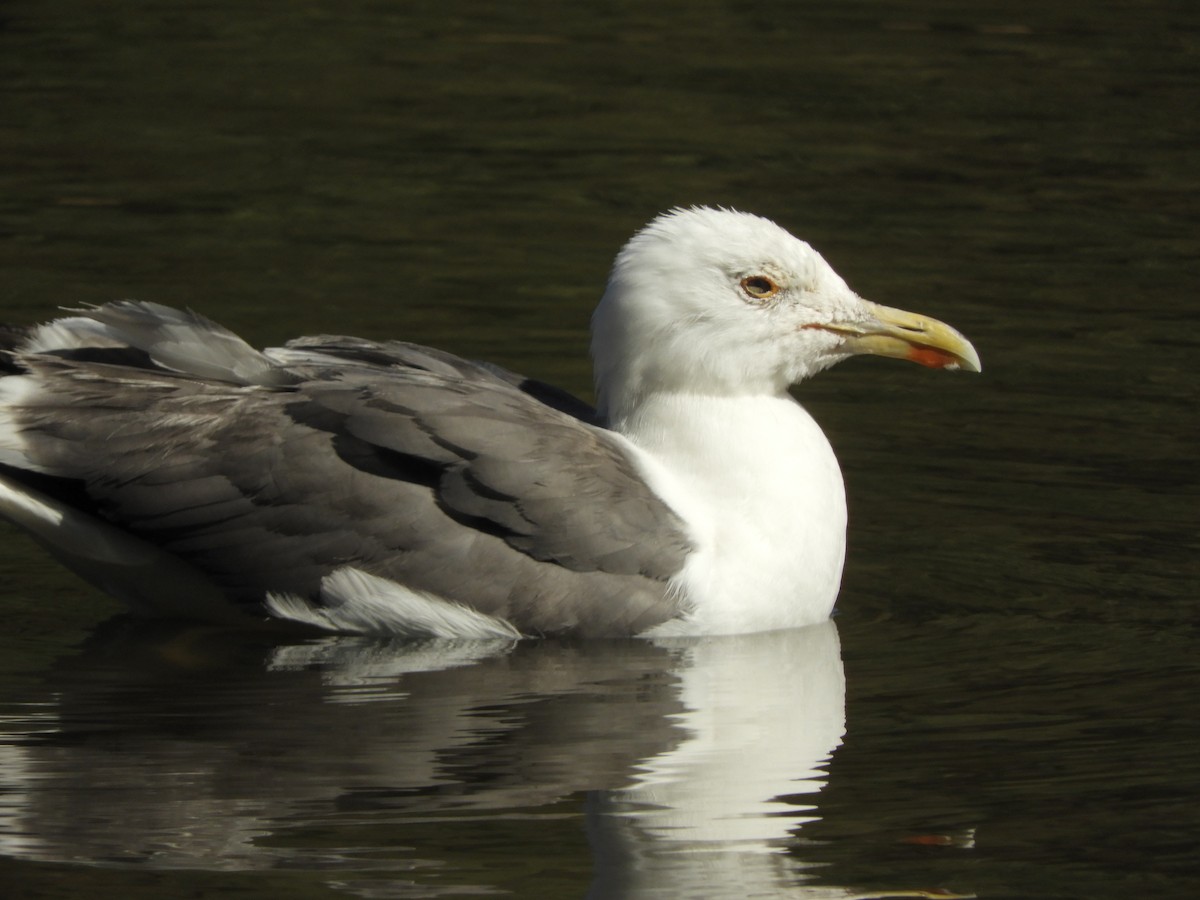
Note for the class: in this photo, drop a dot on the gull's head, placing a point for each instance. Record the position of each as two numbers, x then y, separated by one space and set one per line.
717 302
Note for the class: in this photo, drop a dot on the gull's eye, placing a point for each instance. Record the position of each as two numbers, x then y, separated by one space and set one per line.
759 287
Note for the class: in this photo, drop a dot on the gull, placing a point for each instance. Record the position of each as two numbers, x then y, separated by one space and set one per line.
384 487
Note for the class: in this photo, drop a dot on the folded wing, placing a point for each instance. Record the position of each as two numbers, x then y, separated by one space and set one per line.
271 473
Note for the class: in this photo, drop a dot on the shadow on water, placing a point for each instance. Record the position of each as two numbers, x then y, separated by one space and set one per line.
397 769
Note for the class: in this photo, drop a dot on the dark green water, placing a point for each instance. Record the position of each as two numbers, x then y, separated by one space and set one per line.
1018 624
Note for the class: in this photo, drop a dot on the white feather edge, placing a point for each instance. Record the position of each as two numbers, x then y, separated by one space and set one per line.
356 601
70 333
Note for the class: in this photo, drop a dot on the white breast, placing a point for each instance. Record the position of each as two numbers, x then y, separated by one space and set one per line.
761 491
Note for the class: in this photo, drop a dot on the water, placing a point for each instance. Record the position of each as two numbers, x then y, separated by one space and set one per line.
1005 705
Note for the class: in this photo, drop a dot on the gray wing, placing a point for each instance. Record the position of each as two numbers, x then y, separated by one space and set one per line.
448 477
322 350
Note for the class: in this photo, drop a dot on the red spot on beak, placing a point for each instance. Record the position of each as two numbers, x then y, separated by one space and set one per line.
928 356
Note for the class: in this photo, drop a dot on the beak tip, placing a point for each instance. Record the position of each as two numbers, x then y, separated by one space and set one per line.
969 361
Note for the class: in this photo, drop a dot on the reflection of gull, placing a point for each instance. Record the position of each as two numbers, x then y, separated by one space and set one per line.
377 664
219 760
699 757
711 816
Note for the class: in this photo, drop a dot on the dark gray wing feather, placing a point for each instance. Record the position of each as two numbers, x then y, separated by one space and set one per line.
444 475
558 489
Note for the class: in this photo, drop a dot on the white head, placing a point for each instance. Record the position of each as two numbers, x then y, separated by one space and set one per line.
722 303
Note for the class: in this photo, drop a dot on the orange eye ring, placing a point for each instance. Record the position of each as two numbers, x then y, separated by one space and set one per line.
759 287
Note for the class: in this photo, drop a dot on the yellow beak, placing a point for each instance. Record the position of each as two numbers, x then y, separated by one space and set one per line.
904 335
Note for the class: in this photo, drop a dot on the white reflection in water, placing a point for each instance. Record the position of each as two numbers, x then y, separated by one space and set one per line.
699 758
708 818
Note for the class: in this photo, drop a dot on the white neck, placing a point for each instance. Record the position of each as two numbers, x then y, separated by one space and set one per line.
758 484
